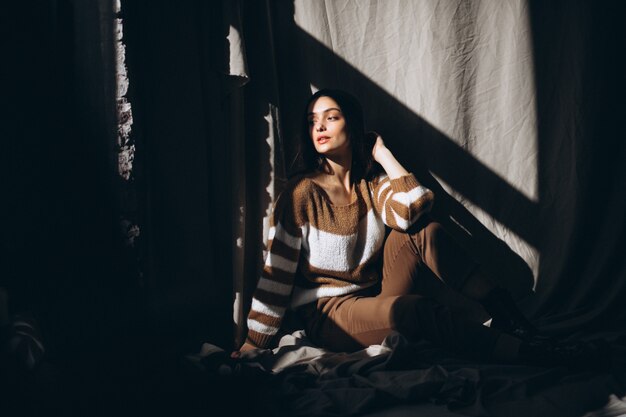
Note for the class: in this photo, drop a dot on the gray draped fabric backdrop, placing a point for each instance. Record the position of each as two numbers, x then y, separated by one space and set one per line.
509 110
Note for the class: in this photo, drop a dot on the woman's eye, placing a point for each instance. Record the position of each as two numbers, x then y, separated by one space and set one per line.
333 118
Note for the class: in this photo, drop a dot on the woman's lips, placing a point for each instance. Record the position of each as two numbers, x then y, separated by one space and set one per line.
322 139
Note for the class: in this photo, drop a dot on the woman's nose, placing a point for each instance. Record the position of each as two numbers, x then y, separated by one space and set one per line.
319 126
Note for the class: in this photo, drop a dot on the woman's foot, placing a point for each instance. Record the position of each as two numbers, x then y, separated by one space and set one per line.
506 317
498 303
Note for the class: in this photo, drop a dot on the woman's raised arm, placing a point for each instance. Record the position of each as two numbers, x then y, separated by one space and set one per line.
385 158
399 197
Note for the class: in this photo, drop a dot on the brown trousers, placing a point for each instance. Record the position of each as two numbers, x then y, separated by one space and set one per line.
354 321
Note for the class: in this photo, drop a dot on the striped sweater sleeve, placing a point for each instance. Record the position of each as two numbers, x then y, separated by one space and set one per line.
273 291
401 201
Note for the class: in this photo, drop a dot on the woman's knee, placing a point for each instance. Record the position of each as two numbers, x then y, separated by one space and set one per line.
408 312
395 238
428 236
434 230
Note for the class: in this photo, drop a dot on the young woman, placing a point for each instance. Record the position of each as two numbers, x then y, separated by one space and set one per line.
331 263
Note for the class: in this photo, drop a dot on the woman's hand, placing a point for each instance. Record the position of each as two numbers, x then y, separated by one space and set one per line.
385 158
379 145
244 348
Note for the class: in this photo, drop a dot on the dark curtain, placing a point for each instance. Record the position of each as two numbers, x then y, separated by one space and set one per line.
181 107
63 258
580 76
115 320
60 242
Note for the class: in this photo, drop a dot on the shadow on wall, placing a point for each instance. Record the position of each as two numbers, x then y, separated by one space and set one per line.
579 79
432 151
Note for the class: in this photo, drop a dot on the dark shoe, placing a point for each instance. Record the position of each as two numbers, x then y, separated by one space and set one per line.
506 317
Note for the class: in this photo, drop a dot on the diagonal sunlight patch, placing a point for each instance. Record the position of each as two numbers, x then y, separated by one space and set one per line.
524 249
467 70
457 77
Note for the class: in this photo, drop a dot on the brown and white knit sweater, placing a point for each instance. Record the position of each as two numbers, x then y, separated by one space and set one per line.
317 249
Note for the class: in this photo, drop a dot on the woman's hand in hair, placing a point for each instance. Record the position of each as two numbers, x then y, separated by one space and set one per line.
379 145
385 158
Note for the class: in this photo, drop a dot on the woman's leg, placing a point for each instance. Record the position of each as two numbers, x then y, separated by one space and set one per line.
351 322
424 246
427 244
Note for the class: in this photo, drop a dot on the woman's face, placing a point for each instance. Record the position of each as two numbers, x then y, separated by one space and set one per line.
327 127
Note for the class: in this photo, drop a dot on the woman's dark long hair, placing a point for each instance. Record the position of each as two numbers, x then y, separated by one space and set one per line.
307 159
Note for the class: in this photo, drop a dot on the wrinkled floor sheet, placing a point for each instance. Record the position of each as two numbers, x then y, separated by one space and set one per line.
401 378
